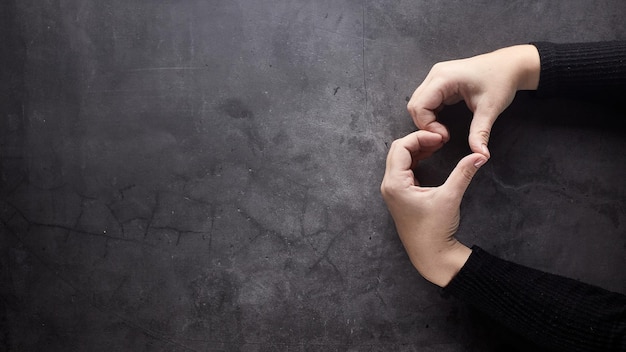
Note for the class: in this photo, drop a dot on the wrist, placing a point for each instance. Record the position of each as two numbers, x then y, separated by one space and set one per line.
443 265
529 66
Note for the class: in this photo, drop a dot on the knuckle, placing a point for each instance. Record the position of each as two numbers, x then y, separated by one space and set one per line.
442 68
392 189
438 67
395 144
388 192
385 188
467 174
485 134
411 106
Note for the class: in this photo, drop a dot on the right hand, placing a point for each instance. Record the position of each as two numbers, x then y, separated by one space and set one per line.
487 83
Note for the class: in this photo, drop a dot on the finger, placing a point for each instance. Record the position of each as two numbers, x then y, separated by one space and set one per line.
438 128
423 106
462 175
427 150
405 150
480 130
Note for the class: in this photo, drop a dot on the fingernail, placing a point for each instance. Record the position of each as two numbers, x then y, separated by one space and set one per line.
480 162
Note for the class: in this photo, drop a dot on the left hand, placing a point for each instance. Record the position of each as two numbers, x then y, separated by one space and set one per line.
487 83
427 218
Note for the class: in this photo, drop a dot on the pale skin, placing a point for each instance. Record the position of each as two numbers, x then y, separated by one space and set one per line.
487 83
427 218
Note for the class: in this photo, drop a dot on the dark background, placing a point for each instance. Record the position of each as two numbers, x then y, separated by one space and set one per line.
203 175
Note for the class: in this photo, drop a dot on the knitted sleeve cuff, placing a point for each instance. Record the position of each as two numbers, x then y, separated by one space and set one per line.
581 68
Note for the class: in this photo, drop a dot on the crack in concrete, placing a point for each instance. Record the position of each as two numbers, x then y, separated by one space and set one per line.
103 308
70 229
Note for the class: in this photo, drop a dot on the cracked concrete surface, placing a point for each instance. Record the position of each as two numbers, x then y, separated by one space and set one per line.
203 175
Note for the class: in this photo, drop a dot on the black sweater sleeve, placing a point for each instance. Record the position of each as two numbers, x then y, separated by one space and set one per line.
594 70
552 311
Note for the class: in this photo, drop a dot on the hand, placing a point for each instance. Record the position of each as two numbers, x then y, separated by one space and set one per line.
487 83
427 217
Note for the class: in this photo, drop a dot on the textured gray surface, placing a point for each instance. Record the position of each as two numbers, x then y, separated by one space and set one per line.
203 175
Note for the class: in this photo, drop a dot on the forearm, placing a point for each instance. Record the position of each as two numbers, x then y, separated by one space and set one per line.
550 310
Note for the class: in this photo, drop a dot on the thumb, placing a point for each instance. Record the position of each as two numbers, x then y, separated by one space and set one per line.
462 175
480 129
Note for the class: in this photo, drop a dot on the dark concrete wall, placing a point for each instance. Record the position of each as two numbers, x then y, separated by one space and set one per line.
202 175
